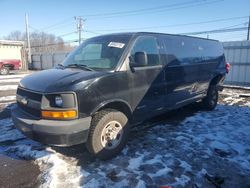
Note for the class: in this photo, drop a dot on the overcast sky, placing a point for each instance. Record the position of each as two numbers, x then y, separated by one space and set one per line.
108 16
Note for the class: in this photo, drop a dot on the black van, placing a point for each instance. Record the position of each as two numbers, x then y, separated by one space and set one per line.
111 82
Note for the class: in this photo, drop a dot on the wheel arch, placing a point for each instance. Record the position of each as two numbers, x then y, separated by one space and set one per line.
216 79
116 104
7 65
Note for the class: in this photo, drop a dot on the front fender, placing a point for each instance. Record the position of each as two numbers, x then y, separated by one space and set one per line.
114 103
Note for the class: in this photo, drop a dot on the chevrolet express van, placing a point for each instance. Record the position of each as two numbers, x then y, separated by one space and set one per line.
112 82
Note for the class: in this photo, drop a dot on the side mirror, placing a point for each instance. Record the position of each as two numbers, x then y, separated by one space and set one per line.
140 60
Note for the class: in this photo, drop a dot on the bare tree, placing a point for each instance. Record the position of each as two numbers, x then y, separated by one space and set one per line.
15 35
41 42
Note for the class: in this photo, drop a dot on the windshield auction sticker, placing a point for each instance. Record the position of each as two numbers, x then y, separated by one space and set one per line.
116 44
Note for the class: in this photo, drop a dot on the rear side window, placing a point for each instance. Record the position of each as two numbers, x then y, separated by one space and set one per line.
149 45
184 50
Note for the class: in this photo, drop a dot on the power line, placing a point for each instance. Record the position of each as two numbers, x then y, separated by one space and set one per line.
33 28
62 35
160 11
75 32
56 24
157 9
244 23
133 12
93 32
177 25
215 31
54 44
139 10
191 33
71 23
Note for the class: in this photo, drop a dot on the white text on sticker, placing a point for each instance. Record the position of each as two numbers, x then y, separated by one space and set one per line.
116 44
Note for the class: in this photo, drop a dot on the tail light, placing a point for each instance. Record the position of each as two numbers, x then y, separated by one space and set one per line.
227 67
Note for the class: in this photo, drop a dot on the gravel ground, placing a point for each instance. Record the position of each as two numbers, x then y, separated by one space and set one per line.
184 148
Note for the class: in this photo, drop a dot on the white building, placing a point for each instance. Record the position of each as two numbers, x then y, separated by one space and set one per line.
12 50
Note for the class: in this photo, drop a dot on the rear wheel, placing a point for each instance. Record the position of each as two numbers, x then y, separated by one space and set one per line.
4 71
108 133
210 101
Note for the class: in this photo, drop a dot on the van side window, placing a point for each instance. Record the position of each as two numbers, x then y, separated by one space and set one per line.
149 46
184 50
180 51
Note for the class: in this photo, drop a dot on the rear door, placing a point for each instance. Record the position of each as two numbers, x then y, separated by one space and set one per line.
147 82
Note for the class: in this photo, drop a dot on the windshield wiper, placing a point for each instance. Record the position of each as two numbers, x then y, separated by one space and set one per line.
80 66
60 65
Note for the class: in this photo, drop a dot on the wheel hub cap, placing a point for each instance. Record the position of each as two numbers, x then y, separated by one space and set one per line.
111 135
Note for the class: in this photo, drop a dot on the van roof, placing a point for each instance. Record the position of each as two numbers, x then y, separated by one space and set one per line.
155 33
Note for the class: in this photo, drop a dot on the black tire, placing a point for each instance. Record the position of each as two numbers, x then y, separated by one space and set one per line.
210 101
4 71
101 124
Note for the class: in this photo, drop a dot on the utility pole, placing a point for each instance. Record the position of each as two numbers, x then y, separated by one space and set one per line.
28 38
248 30
79 27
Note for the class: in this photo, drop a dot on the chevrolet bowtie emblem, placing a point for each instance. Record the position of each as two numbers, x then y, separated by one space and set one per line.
24 100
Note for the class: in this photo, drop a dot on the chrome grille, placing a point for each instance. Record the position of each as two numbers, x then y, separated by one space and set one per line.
29 101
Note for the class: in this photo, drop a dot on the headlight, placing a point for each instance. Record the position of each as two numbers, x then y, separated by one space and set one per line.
59 106
59 101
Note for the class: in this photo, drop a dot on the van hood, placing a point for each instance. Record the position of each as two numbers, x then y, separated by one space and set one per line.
57 80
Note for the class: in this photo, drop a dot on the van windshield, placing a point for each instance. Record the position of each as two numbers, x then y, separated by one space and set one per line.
98 53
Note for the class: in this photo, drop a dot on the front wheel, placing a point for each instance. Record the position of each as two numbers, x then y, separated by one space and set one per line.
4 71
108 133
210 101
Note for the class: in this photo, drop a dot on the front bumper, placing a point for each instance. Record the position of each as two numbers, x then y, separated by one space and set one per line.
52 132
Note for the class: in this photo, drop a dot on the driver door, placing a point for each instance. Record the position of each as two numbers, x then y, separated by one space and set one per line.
146 81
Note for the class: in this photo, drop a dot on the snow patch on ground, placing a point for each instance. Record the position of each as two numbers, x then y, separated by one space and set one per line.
2 77
181 181
134 163
8 87
237 87
187 167
10 80
177 155
235 97
7 98
57 170
233 100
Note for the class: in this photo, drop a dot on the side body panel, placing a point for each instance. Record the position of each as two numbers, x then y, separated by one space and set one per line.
190 64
